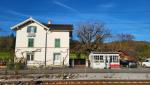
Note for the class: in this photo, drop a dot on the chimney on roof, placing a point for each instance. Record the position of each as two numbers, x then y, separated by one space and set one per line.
49 22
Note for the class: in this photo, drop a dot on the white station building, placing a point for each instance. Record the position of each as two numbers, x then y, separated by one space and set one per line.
41 44
104 60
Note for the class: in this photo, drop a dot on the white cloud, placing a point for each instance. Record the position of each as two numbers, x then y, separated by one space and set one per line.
12 12
65 6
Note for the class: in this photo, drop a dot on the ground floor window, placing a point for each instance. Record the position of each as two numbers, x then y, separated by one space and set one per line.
98 58
56 59
101 59
56 56
115 59
30 56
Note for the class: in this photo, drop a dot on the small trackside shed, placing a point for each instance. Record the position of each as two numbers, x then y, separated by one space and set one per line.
104 60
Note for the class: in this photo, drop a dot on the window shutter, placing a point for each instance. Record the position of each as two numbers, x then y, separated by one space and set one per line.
30 42
57 43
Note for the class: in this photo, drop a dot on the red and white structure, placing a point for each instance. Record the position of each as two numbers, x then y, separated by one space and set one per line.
104 60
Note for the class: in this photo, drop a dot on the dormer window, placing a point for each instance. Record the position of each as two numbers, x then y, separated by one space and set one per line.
31 29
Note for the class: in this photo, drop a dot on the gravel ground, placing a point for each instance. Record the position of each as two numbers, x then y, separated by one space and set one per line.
80 82
78 76
77 70
75 74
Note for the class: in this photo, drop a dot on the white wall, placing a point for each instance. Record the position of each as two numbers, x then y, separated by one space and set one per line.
64 46
39 43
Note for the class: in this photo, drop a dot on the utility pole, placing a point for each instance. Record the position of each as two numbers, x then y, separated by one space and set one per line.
46 47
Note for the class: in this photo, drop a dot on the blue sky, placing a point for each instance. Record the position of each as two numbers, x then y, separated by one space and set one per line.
120 16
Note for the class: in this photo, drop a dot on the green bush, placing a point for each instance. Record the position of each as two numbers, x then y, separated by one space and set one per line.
19 66
10 65
15 66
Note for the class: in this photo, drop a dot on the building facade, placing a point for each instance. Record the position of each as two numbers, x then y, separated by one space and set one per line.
41 44
105 60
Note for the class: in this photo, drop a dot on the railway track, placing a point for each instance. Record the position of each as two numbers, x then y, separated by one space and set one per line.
79 82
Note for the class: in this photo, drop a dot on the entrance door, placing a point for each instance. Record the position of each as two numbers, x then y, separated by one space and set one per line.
107 61
56 59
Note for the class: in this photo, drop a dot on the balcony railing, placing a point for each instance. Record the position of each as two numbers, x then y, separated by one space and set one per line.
31 34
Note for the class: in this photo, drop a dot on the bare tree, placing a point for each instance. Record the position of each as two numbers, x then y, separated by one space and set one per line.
125 37
91 35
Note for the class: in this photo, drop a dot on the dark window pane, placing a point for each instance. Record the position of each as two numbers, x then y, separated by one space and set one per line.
28 57
28 29
110 58
35 29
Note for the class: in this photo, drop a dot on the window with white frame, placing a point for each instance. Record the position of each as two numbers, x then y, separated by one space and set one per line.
31 29
115 59
30 56
101 58
96 58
